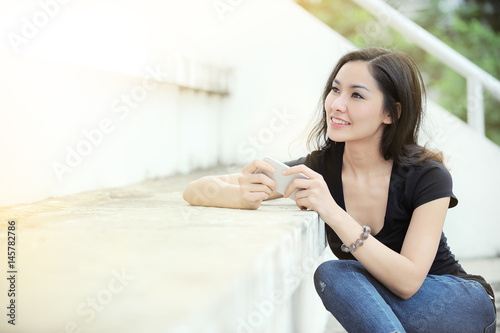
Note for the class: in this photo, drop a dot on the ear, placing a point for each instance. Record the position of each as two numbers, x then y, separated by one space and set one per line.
388 119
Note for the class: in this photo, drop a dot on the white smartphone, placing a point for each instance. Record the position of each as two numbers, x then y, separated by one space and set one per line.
281 180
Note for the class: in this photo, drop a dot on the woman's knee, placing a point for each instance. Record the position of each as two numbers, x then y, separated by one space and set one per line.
333 272
326 270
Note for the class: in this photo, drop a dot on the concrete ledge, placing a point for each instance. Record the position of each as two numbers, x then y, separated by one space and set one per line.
140 259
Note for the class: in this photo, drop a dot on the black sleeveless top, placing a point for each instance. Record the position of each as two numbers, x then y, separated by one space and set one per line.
409 188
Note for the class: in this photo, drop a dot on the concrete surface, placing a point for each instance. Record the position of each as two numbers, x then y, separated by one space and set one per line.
140 259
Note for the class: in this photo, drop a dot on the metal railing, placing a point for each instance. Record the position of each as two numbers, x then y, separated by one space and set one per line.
477 78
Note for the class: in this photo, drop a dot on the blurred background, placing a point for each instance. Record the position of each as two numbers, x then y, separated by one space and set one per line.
100 94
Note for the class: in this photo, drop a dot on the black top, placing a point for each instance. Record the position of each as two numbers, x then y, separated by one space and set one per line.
409 188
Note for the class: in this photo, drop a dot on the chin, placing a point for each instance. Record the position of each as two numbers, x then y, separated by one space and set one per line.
336 137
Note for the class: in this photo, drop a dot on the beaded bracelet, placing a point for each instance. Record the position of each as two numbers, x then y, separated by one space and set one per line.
359 242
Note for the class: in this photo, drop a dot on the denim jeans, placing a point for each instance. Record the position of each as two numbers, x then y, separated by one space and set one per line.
444 303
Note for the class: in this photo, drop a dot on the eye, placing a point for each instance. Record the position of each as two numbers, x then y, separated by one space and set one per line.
357 95
335 89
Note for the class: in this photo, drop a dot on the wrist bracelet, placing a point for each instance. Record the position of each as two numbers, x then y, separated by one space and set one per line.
359 242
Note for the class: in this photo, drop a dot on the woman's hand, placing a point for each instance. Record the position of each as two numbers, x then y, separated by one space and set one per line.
312 193
256 188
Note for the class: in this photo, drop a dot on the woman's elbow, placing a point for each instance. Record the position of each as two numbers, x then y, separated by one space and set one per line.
199 192
407 294
187 195
407 290
190 196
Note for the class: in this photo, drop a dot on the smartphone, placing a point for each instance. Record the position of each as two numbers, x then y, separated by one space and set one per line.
281 180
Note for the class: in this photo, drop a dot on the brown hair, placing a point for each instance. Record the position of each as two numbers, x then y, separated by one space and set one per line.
400 81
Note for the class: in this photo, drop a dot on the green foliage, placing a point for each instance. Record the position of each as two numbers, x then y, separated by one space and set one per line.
463 29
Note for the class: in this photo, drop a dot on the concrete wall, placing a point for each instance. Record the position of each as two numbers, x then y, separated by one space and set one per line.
102 94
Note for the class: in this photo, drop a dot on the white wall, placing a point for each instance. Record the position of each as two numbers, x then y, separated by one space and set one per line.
68 67
66 130
67 76
474 165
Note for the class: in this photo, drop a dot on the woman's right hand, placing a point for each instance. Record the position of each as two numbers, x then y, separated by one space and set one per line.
256 188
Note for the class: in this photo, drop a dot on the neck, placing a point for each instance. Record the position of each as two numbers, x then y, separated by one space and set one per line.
364 160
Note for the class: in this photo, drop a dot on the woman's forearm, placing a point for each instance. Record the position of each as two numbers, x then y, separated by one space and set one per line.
244 190
215 191
402 273
396 272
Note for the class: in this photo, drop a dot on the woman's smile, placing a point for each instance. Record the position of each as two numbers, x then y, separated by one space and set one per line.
337 122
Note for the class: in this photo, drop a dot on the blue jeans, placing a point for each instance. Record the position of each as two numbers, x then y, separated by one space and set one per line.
444 303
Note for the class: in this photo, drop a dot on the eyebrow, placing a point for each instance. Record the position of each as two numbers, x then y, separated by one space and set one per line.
352 86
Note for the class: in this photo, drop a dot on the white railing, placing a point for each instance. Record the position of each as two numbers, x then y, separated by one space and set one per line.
477 78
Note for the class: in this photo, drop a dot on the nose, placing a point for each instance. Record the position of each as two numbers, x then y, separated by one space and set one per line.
339 103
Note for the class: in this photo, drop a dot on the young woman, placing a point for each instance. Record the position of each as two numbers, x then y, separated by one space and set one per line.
384 200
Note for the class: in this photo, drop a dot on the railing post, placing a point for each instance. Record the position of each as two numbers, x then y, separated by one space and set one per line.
475 105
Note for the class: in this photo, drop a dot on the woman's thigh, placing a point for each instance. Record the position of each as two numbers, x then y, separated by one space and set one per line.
444 303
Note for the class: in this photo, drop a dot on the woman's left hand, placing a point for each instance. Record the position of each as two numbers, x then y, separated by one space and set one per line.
313 193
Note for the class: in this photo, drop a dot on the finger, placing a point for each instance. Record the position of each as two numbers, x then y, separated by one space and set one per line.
259 164
297 184
301 203
257 179
301 168
253 201
301 194
255 197
254 188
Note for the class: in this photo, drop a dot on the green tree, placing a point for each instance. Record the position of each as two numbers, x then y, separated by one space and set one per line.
471 29
486 11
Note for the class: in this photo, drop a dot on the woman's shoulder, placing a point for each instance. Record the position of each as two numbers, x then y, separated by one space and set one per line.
425 181
429 168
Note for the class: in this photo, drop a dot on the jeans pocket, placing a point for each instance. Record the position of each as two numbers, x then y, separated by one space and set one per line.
492 327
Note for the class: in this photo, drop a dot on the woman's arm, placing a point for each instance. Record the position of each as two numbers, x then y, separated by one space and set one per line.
215 191
402 273
245 191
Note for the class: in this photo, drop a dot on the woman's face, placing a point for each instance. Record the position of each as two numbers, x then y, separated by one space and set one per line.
354 106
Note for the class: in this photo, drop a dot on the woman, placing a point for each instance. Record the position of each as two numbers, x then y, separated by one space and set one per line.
384 200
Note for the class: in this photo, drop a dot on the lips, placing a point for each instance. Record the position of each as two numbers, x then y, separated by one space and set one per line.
339 121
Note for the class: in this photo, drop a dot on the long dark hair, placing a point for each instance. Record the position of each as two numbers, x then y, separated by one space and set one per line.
400 81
